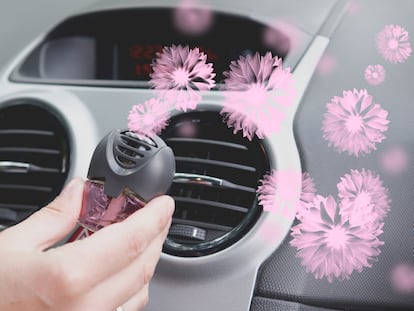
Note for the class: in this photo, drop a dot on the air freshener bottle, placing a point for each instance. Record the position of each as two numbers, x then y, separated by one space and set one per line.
126 171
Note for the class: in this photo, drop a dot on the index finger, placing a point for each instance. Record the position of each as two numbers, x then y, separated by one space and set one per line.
91 260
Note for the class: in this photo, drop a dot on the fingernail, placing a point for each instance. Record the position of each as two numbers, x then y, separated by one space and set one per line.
169 203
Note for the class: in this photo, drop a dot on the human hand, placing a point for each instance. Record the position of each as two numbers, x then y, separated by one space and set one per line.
108 269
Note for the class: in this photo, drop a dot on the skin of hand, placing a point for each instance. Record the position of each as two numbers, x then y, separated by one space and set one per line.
110 268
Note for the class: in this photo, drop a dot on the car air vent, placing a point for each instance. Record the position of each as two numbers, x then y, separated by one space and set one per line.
215 184
34 158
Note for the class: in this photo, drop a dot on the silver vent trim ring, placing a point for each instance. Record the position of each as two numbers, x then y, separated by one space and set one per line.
215 184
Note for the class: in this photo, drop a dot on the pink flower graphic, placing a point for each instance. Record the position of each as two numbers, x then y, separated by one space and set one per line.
307 195
280 192
257 88
149 118
364 198
393 44
354 123
329 246
375 74
178 73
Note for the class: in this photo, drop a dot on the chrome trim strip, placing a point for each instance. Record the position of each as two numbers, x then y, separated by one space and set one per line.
14 167
188 178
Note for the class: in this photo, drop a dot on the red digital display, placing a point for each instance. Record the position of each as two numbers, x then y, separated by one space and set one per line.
141 57
144 52
136 59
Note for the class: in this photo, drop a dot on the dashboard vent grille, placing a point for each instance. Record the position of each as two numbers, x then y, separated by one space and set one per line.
215 184
34 158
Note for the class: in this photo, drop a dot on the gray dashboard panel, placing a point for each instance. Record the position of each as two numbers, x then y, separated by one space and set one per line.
22 21
353 48
226 280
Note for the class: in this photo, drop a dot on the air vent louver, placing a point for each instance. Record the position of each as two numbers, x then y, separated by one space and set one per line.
215 184
34 158
129 148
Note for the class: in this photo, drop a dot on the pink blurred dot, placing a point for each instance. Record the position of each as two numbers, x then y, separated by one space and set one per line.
394 160
276 40
188 129
354 8
193 18
402 278
281 37
327 65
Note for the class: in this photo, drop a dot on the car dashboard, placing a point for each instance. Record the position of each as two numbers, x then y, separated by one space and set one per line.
226 251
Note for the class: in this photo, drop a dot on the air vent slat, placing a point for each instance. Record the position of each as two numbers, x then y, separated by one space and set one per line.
187 140
212 203
29 150
216 163
222 194
201 224
30 132
18 207
34 157
144 142
25 188
209 181
39 169
8 214
230 185
21 167
128 153
132 149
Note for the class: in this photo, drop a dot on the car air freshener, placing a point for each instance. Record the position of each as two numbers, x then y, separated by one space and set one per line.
126 171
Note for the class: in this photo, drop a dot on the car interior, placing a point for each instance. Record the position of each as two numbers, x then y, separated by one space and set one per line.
315 214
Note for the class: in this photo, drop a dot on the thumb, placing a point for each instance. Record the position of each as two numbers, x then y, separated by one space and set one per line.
48 225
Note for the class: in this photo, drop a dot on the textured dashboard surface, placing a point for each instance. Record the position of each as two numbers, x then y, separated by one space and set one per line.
265 304
352 48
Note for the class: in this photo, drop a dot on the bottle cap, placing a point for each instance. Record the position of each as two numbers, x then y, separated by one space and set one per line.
126 160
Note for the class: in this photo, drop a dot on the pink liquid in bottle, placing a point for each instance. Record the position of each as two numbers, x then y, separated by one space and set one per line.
126 172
